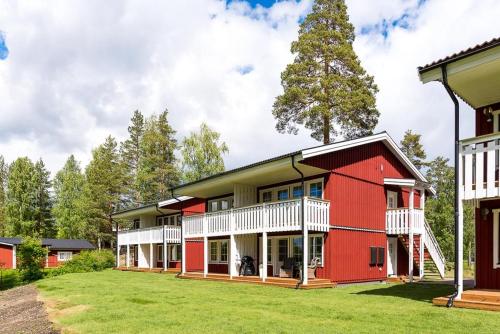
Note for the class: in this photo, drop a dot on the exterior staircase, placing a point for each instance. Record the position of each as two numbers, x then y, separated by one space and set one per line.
434 261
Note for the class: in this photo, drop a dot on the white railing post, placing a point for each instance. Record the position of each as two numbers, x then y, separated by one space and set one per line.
264 256
183 252
232 247
410 228
460 250
164 249
205 247
151 256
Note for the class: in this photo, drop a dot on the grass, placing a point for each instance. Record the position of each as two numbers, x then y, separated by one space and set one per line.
9 279
130 302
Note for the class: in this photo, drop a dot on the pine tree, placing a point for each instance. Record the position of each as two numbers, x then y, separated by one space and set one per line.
325 88
130 155
21 199
202 154
413 149
3 188
158 171
68 213
44 224
103 190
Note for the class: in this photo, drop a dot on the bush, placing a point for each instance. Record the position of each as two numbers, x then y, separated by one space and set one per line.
31 256
87 261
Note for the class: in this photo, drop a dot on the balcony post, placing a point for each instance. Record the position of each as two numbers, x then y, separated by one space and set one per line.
264 255
410 232
183 253
164 249
127 257
150 256
205 256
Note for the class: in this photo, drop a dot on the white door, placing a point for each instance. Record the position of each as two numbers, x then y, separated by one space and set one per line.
392 256
392 199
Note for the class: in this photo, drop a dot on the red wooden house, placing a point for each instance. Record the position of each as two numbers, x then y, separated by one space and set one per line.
59 251
474 76
356 206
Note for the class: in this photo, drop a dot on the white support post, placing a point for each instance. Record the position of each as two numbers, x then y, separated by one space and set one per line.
183 254
264 256
150 256
14 257
205 256
127 257
460 250
305 252
232 256
410 245
47 258
422 199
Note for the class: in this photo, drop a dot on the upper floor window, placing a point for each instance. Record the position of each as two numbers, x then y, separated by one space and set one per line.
172 220
136 224
225 203
297 191
313 188
267 196
316 189
282 195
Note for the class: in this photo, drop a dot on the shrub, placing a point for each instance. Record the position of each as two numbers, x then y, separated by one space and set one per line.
31 256
87 261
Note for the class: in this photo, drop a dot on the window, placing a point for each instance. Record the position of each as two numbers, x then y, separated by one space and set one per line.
213 251
160 252
178 220
316 189
392 199
297 192
223 251
159 221
373 256
381 256
175 252
297 249
377 256
316 248
137 224
496 239
220 204
282 195
267 196
64 256
282 249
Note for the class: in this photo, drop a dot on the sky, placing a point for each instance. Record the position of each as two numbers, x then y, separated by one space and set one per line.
73 72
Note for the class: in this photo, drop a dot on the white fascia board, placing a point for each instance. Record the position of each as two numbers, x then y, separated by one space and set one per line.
174 200
384 137
6 244
135 213
400 182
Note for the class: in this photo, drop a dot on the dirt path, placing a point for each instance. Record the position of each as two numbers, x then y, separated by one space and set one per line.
21 312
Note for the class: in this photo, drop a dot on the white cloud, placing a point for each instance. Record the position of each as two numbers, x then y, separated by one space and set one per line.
77 70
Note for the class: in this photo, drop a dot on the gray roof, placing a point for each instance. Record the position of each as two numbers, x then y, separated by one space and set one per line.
54 243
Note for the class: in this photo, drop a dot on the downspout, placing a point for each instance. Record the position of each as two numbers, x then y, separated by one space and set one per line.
301 281
457 178
182 229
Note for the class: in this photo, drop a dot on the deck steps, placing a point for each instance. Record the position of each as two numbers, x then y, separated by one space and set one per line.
148 270
474 299
397 279
273 281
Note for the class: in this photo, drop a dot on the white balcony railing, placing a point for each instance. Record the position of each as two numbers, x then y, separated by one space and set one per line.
478 165
150 235
397 221
269 217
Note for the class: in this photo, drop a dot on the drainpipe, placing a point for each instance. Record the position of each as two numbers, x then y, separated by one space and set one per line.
457 180
304 265
182 232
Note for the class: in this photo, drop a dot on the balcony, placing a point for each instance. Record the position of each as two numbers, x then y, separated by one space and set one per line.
280 216
150 235
397 221
478 167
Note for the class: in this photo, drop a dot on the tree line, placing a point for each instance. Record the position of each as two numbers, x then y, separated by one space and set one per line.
77 203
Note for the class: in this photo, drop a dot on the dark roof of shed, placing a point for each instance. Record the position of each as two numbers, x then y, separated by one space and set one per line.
54 243
462 54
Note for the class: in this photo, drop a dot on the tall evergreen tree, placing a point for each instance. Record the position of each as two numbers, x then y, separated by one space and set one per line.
413 149
3 188
103 190
44 224
70 218
202 154
157 166
21 199
130 153
325 88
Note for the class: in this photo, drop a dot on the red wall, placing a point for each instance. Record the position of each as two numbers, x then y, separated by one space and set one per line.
6 256
486 276
194 255
52 258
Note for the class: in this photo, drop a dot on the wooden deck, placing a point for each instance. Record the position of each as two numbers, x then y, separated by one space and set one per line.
273 281
152 270
474 299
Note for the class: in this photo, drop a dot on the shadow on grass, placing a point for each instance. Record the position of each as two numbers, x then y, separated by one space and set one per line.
9 279
418 292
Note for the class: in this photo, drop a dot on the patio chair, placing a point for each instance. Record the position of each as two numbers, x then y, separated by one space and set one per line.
311 270
288 268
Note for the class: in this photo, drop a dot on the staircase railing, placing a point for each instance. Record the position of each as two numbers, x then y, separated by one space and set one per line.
434 249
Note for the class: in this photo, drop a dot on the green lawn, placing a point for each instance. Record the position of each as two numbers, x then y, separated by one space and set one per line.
9 278
129 302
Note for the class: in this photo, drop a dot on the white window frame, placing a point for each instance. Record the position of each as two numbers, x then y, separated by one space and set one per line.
230 200
219 253
290 246
159 249
391 193
496 115
290 186
496 242
172 252
166 220
68 256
